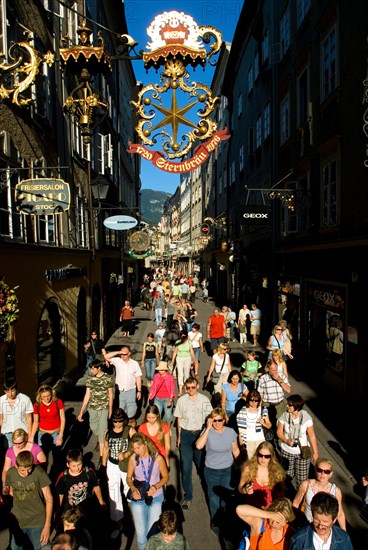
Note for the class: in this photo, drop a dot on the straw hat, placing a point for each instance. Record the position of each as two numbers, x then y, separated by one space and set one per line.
162 366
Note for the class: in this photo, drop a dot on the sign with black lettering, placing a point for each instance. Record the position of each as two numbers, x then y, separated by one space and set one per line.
42 196
256 215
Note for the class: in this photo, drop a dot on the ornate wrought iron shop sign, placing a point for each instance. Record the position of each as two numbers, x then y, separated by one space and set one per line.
177 42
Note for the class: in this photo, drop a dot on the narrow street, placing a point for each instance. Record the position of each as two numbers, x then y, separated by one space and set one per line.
196 525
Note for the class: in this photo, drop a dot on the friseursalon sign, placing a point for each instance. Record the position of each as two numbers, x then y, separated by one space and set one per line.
42 196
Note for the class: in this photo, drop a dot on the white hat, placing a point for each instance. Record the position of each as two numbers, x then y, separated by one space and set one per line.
162 366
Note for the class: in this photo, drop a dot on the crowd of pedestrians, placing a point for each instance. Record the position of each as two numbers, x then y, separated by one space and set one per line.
251 441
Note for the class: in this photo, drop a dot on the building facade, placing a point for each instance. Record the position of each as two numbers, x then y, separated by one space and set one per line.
72 271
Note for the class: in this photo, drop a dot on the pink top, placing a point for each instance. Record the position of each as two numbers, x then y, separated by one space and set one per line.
35 450
141 473
163 387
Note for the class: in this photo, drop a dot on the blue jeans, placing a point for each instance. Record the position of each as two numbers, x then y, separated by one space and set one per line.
150 365
26 536
214 480
158 314
161 405
144 517
197 352
189 454
128 402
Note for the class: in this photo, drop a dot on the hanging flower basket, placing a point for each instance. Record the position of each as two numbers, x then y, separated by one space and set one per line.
9 310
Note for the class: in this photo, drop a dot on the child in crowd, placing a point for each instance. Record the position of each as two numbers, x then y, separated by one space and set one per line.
251 370
29 485
168 538
160 339
77 484
72 520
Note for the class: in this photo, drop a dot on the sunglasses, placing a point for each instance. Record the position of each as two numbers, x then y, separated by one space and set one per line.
289 405
190 387
256 400
117 421
124 354
260 455
322 471
218 420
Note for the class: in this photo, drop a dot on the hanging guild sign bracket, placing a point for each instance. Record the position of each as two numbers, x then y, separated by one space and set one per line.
176 43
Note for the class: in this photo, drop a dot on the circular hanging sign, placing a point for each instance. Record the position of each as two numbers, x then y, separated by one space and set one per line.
120 223
139 240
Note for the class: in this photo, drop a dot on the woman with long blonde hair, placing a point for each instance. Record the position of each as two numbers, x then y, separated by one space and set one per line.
48 418
262 477
147 475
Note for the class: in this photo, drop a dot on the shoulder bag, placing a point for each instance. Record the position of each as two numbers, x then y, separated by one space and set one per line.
143 486
216 375
245 542
268 433
305 450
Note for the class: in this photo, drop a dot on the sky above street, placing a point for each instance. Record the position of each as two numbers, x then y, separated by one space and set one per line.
221 15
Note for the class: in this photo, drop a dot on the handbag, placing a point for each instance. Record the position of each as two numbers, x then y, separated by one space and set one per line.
305 451
142 486
216 375
269 434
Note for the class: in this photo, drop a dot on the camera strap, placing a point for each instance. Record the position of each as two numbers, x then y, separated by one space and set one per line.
147 475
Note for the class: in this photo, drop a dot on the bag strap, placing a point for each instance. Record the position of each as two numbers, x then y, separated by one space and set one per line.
124 436
93 346
160 386
223 362
263 529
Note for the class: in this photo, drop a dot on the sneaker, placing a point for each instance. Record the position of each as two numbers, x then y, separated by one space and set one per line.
185 505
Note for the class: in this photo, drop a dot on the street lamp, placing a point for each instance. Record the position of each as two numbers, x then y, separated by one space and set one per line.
100 187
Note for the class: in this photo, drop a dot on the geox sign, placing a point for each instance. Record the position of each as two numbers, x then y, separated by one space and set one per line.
256 215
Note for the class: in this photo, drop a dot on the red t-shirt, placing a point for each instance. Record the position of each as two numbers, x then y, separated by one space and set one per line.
49 415
166 429
217 326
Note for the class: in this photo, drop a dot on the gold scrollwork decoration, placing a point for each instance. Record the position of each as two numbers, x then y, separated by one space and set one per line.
26 61
150 105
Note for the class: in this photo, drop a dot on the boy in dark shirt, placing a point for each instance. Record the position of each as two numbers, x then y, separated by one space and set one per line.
77 485
32 503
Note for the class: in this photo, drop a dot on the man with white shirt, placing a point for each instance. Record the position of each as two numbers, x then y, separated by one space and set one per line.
16 411
128 377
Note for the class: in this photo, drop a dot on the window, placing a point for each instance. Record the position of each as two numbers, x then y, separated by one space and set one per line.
82 221
105 156
72 22
259 132
232 172
265 47
302 9
329 75
267 121
241 158
303 95
329 181
10 218
250 79
240 104
256 66
46 228
284 119
41 92
250 141
220 188
3 39
285 32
